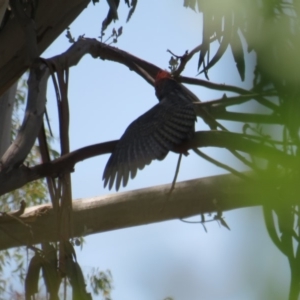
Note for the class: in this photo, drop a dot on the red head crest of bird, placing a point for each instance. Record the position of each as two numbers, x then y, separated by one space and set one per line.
163 79
161 75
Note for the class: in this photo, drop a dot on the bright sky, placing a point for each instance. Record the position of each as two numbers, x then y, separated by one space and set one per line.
171 258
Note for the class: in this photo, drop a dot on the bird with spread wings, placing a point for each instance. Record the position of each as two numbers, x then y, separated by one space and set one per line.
152 135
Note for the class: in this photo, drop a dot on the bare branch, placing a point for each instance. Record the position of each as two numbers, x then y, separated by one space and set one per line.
100 50
143 206
229 88
18 177
184 59
221 165
18 151
247 118
228 101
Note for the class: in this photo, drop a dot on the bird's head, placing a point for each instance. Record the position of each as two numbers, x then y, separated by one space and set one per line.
161 74
163 82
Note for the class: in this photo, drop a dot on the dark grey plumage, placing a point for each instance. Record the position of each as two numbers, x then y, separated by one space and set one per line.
152 135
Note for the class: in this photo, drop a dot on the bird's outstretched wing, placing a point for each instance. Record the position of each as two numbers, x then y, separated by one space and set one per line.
149 137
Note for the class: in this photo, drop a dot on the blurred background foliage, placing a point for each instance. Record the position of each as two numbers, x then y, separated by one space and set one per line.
27 266
270 28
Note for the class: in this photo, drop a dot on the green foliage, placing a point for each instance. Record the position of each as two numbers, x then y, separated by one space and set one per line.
132 6
33 193
112 15
101 283
271 29
29 267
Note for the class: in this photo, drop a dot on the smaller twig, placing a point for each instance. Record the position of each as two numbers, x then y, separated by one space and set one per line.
12 217
177 56
229 88
50 64
35 249
247 117
218 218
6 216
221 165
244 160
11 235
44 151
173 182
228 101
264 140
184 59
202 113
176 174
48 122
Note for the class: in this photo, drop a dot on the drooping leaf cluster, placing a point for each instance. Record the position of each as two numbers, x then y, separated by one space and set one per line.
112 14
271 29
33 193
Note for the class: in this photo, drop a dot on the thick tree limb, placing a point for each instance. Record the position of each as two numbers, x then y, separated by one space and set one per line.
52 18
143 206
96 49
29 28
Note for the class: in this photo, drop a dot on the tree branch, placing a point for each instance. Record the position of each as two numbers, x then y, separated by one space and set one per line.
230 88
29 28
228 101
7 101
143 206
19 177
19 149
247 117
52 18
96 49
